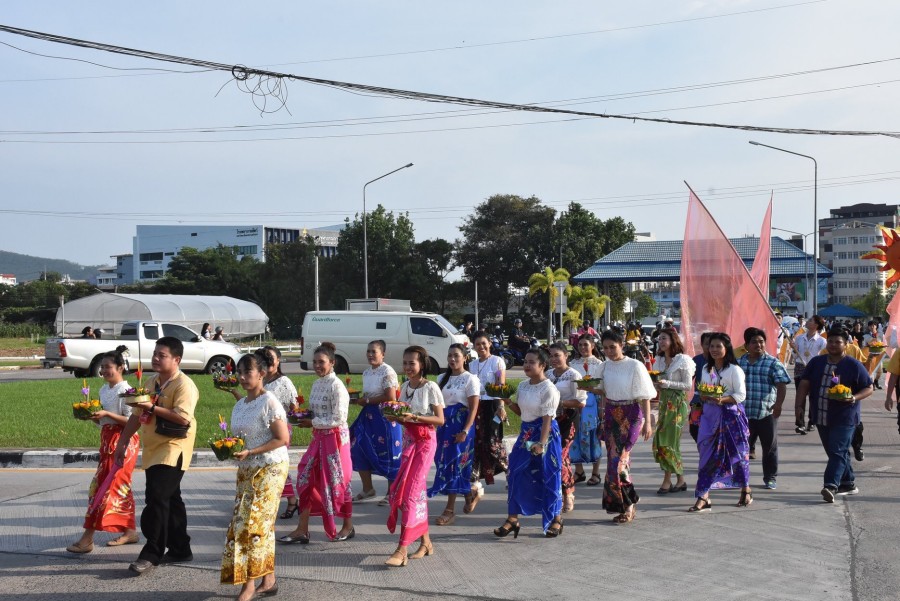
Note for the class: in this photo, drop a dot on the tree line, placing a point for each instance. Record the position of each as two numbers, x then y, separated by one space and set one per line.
505 240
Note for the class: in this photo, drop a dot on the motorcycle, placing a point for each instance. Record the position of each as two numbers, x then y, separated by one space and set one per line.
501 351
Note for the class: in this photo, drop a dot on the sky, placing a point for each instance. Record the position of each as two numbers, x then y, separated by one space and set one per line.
81 166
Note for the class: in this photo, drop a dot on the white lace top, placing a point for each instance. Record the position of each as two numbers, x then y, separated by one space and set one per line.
379 379
284 390
678 374
251 422
537 400
593 366
329 402
487 372
109 398
732 378
459 388
626 380
422 399
565 383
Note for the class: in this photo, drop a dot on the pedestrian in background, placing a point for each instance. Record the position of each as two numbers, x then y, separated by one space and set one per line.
766 382
676 379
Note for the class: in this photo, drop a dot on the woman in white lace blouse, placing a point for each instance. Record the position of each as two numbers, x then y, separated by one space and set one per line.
675 379
627 390
323 476
534 480
284 390
260 420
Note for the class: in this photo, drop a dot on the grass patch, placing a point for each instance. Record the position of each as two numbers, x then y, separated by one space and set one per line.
22 363
38 414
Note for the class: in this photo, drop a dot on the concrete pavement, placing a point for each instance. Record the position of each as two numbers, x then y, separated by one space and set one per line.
787 545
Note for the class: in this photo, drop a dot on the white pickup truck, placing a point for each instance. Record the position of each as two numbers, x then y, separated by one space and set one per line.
82 355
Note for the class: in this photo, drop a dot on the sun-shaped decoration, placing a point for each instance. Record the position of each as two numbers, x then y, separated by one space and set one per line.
889 254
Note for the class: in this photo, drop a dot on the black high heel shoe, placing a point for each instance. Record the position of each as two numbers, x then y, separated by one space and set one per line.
289 512
557 531
503 531
746 498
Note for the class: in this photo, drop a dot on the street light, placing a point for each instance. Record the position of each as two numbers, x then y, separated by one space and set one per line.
365 238
803 238
815 218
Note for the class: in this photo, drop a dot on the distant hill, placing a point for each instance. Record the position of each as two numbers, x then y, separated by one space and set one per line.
26 267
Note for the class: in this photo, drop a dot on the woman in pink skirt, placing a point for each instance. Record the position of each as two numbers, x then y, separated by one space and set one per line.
323 476
409 490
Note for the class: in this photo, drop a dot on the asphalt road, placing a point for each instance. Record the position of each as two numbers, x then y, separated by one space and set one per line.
788 545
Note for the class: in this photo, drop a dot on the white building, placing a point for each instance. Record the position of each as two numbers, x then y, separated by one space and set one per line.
8 278
156 245
844 237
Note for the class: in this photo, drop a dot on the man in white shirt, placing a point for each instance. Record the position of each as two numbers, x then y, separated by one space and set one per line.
805 347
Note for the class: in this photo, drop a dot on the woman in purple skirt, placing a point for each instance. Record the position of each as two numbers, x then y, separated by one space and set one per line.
723 440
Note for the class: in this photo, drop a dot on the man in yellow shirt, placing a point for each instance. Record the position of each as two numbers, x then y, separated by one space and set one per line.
164 458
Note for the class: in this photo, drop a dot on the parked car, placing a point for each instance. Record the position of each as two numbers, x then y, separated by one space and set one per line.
351 332
81 356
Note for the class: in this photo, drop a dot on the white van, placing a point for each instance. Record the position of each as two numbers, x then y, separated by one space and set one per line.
351 332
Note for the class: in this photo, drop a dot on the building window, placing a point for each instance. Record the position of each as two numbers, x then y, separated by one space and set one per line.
151 256
246 250
151 275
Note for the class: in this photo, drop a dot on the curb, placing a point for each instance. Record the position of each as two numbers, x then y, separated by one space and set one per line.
88 459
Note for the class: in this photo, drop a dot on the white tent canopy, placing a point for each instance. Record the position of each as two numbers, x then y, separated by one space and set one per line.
109 311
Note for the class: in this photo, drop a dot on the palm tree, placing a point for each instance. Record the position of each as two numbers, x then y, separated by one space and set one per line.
542 282
593 301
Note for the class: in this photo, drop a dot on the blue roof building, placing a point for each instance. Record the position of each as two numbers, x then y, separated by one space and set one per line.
660 261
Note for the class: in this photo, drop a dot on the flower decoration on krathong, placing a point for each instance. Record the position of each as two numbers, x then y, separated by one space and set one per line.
875 347
354 393
296 412
86 407
225 445
227 380
839 392
654 374
137 391
394 408
711 390
888 254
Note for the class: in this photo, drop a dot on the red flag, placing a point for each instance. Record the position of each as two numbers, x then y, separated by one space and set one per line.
717 292
760 269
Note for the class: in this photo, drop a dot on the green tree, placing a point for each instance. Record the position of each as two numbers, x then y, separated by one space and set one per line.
391 242
618 294
584 238
502 241
587 299
217 271
873 304
435 259
642 304
543 282
280 296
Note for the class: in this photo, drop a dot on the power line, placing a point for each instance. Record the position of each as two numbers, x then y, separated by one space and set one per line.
432 115
602 203
449 48
267 84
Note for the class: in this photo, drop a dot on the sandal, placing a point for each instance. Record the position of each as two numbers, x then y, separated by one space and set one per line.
125 539
446 518
594 480
701 505
625 518
554 532
746 498
364 495
290 510
503 531
665 491
579 477
471 501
